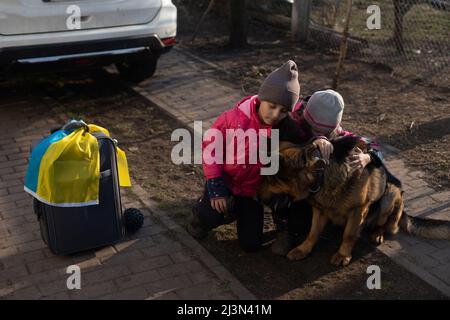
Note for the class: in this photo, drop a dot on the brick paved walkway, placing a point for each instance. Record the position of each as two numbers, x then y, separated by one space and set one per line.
429 259
187 88
161 262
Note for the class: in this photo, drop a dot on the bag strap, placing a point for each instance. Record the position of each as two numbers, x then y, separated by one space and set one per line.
101 135
37 208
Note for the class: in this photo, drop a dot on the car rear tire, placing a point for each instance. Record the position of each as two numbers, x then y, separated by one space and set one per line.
137 71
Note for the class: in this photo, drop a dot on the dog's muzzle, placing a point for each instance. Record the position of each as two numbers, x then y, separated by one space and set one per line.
318 174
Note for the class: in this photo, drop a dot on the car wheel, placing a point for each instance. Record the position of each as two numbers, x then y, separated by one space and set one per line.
137 71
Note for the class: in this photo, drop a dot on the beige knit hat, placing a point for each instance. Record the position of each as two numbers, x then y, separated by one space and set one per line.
281 86
324 110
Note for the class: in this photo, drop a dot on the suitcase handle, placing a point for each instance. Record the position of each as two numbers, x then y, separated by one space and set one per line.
75 124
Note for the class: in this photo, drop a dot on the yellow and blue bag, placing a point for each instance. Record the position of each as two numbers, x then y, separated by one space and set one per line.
74 176
64 168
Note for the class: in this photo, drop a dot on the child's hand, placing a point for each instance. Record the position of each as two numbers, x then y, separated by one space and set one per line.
358 160
220 205
325 147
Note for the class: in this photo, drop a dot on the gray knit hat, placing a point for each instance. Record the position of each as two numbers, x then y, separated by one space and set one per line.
324 110
282 86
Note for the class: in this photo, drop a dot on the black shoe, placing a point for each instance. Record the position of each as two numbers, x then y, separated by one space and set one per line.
194 226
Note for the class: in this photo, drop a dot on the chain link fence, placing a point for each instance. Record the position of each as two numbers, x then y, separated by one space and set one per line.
413 38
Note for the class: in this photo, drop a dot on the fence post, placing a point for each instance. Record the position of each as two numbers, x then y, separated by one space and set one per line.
238 23
300 19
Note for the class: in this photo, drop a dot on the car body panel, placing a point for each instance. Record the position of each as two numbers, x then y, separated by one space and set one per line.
45 16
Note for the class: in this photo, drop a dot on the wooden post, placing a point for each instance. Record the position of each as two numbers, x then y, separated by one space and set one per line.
208 9
300 19
343 49
238 24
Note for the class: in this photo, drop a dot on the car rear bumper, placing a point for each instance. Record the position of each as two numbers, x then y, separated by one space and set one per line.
93 52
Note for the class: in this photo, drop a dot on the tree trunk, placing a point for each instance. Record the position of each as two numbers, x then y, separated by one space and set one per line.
238 24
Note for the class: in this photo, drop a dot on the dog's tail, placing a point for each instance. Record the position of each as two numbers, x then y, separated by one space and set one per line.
425 228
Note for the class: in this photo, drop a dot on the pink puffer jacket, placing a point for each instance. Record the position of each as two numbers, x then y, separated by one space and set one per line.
241 179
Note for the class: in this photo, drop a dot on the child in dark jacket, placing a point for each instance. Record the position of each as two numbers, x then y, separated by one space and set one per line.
231 187
317 119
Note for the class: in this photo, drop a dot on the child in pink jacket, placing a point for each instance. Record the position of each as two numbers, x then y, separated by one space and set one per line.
231 186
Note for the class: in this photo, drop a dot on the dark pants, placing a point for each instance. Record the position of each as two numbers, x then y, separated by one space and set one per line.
249 215
296 219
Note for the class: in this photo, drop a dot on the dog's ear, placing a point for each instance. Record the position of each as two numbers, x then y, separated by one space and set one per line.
363 145
343 146
293 157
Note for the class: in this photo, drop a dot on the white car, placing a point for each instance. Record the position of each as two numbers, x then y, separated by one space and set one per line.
45 34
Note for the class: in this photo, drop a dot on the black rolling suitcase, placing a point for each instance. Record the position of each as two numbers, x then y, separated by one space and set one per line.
68 230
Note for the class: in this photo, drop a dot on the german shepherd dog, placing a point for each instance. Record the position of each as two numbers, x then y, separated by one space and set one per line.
370 198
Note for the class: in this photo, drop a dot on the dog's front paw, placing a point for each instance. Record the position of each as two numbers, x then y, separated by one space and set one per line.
297 254
338 259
